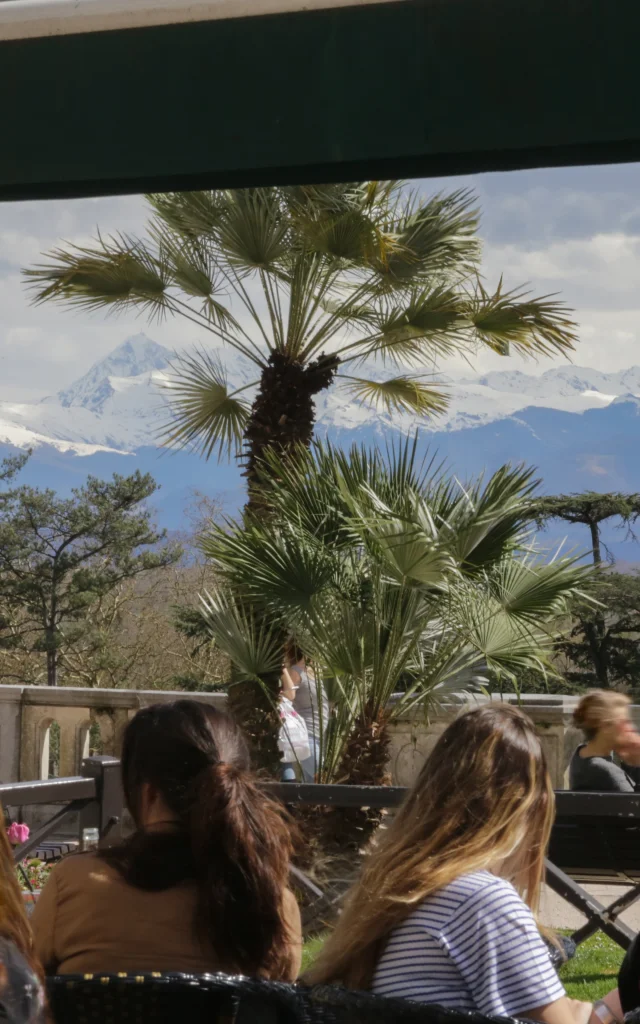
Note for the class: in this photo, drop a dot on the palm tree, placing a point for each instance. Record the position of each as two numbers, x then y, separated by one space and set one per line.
395 581
306 284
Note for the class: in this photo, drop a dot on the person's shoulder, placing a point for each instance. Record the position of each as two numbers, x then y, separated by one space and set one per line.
483 892
603 773
76 867
291 909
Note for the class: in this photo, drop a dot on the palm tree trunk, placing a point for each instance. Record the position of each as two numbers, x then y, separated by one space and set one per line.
255 707
283 413
364 763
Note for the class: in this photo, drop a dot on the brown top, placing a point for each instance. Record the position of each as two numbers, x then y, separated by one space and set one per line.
88 920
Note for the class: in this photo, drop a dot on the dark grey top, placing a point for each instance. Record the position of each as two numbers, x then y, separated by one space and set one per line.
21 995
598 775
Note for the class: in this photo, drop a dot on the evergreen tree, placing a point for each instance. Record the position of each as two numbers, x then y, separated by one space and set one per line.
59 555
599 645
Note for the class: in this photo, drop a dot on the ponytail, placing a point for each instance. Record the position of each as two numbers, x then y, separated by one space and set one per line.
241 847
228 838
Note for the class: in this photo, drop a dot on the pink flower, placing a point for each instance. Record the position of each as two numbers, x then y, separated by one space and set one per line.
18 834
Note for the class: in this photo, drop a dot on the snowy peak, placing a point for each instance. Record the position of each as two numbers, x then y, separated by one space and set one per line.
120 404
568 381
135 357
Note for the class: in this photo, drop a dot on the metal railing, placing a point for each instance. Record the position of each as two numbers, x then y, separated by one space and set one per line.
97 796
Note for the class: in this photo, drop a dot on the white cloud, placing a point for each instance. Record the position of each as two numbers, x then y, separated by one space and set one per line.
574 231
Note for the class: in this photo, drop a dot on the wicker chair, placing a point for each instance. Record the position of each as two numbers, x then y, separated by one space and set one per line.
329 1004
170 998
211 998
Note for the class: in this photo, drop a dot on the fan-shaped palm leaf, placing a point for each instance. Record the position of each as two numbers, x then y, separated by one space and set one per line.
507 321
436 238
252 233
398 394
282 568
205 414
116 274
535 591
253 646
192 214
426 322
486 520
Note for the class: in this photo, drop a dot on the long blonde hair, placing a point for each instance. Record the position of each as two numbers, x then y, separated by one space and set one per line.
597 709
484 788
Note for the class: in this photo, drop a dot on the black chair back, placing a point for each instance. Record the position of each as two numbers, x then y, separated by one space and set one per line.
328 1004
170 999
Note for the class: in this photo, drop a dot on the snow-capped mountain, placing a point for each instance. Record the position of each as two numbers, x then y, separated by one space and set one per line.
119 404
136 357
579 427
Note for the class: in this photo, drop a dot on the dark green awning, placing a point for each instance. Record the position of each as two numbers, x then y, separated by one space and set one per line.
409 88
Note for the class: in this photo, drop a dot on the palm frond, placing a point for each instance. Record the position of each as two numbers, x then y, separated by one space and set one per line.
425 323
191 268
252 233
398 394
509 321
434 239
116 274
205 414
192 214
254 646
409 547
346 235
280 567
487 520
536 591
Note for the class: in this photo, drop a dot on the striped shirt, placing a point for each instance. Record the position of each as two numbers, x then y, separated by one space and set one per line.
474 945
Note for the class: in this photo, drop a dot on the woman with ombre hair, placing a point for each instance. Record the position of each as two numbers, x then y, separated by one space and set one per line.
444 910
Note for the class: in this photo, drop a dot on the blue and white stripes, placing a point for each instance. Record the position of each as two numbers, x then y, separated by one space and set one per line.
472 946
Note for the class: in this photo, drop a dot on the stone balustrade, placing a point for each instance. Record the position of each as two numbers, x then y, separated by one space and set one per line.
413 738
27 714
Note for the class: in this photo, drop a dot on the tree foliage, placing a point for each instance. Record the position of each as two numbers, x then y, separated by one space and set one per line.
604 641
592 509
392 577
600 646
59 557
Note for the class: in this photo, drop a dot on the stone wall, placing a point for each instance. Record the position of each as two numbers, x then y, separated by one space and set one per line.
26 715
413 738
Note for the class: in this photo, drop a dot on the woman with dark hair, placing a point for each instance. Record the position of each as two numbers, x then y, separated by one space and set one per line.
21 990
201 885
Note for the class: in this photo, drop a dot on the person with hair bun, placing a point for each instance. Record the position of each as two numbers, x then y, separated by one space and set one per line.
603 716
201 885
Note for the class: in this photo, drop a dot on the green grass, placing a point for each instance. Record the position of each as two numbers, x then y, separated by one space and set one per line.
310 950
594 969
590 975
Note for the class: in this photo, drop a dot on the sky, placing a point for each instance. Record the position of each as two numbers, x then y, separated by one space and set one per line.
574 231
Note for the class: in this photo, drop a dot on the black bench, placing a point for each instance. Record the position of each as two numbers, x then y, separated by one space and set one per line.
596 838
220 998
